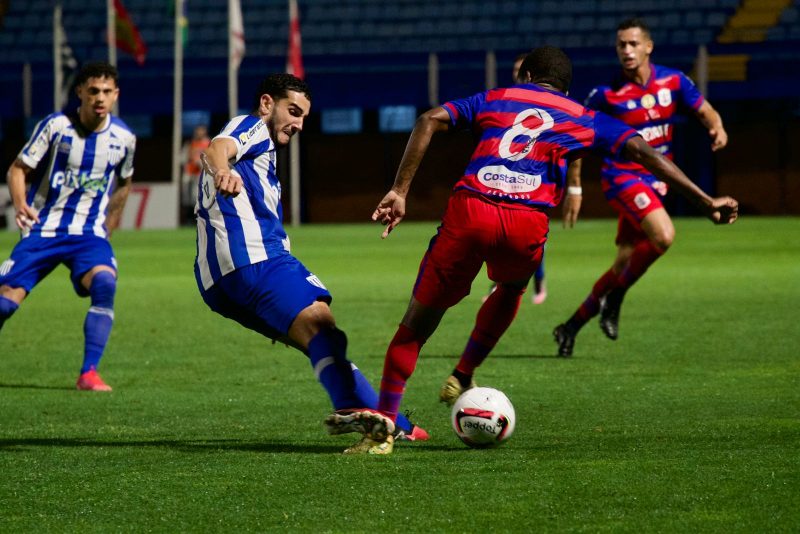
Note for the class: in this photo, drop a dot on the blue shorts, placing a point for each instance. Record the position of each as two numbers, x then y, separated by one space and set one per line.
266 296
35 257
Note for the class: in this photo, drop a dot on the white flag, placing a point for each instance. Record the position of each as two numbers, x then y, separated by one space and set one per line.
236 30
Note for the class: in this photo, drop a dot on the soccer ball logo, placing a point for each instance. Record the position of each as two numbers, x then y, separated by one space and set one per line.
483 417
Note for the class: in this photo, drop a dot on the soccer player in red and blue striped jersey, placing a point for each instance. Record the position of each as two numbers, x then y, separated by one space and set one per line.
528 136
646 97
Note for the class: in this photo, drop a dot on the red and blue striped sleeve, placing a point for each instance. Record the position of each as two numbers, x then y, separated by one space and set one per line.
611 134
690 94
464 111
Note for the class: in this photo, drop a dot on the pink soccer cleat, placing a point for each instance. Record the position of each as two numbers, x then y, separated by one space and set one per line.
91 381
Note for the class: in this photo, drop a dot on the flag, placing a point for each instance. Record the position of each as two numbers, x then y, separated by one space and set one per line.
294 57
128 37
236 30
69 67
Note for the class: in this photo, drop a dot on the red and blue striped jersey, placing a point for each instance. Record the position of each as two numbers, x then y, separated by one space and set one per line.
651 109
528 136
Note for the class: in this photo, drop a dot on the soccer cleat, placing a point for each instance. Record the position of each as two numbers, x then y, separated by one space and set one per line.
564 335
610 306
416 434
372 446
371 423
452 390
91 381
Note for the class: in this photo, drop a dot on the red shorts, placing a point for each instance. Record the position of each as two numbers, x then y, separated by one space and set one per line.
633 204
474 230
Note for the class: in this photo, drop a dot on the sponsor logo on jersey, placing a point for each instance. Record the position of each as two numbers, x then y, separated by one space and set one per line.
641 200
648 101
5 267
244 137
502 178
83 180
655 133
630 104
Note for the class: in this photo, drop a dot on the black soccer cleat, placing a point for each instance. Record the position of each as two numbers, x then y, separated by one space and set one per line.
609 313
564 335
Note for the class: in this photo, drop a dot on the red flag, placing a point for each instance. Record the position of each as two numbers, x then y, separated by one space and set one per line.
128 37
294 59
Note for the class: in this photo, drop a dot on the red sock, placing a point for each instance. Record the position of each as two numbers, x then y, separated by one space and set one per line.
591 305
494 318
401 359
644 255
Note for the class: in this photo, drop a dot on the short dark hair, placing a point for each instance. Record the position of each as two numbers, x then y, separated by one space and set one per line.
278 86
634 22
548 64
97 69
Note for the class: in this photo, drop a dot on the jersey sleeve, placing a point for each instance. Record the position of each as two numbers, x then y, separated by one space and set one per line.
249 133
126 169
463 111
611 134
691 96
39 143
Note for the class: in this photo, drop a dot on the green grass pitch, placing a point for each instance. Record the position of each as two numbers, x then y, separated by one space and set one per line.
689 422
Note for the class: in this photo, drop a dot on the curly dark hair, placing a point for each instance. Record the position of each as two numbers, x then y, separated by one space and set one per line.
97 69
548 64
278 85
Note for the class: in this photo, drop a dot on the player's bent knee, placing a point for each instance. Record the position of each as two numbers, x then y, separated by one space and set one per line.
103 288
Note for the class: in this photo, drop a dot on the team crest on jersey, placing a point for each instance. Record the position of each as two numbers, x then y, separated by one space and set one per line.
6 267
314 281
648 101
664 97
641 200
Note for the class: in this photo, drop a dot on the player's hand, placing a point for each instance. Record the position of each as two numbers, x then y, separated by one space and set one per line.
719 138
390 211
228 182
572 206
26 216
723 210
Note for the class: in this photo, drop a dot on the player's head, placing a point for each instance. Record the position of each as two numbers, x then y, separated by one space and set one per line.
97 89
547 65
634 44
283 101
515 74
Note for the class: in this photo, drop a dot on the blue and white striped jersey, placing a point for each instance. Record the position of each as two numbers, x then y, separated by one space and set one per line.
246 229
73 191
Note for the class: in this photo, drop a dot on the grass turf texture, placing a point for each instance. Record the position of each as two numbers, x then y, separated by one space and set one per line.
689 422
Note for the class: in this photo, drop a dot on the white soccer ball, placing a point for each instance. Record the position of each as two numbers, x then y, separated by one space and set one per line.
483 417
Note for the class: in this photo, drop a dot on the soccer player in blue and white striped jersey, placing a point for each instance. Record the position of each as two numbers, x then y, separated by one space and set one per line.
80 166
244 268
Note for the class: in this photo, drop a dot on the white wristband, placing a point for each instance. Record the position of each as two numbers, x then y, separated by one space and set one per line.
573 190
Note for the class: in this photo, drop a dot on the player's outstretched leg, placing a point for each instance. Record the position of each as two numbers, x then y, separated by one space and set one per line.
539 285
96 330
494 317
565 333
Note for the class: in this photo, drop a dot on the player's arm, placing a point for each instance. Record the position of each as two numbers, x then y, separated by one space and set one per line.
392 208
721 210
215 162
25 215
117 203
574 197
711 119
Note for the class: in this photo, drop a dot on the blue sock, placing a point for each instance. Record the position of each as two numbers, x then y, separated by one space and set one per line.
7 309
369 398
327 352
99 319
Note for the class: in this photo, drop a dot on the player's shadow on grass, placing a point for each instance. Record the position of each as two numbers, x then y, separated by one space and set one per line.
19 445
35 386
